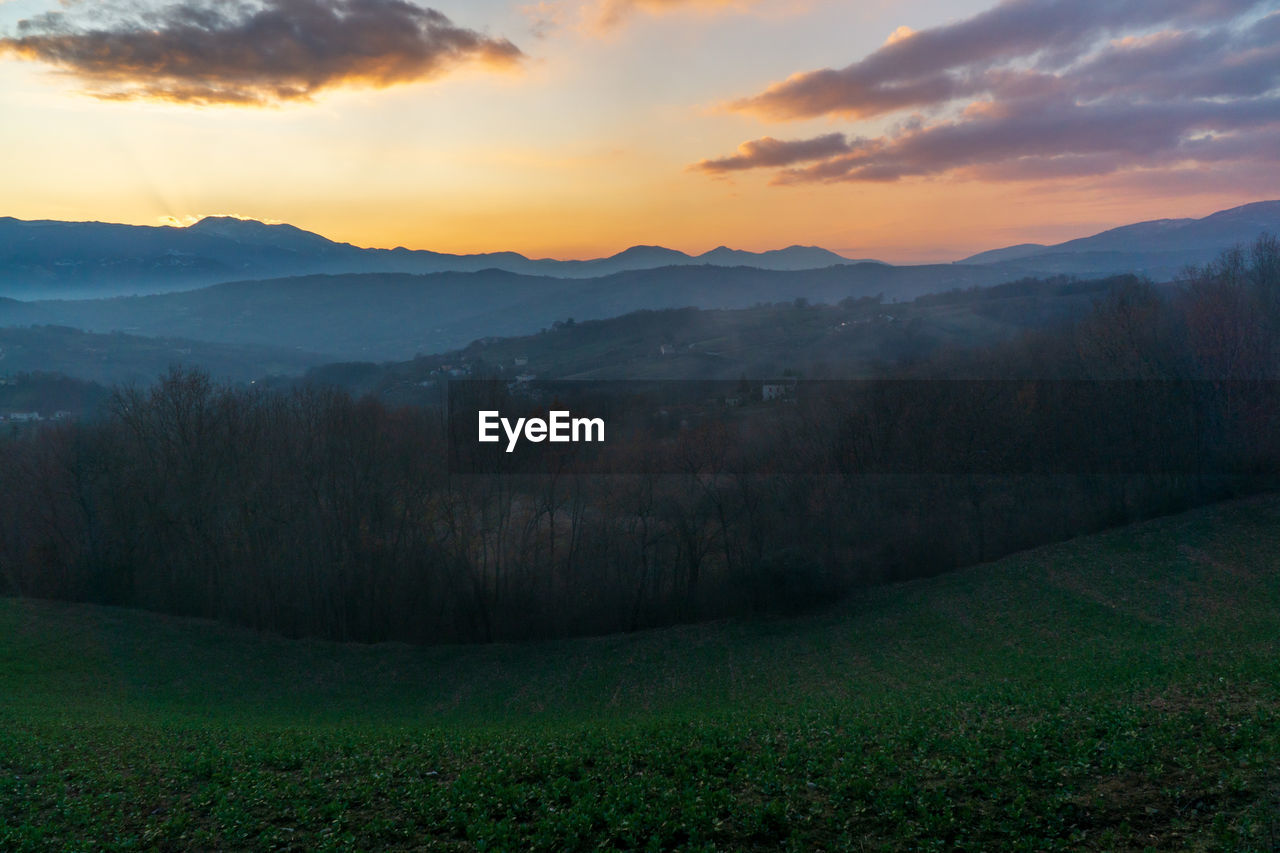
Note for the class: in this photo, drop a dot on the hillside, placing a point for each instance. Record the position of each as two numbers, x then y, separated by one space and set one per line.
851 339
47 394
395 316
121 359
1116 692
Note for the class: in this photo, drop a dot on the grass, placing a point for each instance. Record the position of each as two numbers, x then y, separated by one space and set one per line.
1117 692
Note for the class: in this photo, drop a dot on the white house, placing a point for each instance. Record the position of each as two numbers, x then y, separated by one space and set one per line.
776 390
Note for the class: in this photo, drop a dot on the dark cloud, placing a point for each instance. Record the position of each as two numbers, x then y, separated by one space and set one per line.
1059 140
1050 88
1183 65
777 152
936 65
237 53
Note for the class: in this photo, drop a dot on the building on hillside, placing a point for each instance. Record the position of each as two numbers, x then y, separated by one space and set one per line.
777 389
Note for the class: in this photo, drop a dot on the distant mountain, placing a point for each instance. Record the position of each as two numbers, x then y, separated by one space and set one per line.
250 232
1009 253
1159 249
790 258
49 259
642 257
78 259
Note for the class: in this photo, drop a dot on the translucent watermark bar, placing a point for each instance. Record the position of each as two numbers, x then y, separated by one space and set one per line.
827 427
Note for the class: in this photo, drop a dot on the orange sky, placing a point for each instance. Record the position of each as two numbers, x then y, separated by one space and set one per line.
586 143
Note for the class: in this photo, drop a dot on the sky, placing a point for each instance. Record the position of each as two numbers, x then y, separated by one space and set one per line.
909 131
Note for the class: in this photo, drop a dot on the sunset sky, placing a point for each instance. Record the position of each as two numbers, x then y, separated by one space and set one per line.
908 131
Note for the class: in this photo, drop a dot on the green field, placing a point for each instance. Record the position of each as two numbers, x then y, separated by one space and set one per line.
1117 692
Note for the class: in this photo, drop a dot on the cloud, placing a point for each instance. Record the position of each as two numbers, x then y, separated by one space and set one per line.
544 17
903 32
606 14
935 65
1036 89
232 53
1056 140
604 17
776 152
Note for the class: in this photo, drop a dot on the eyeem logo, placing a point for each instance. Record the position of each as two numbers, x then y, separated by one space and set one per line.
558 427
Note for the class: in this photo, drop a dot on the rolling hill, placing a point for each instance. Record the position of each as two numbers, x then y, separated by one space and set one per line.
854 339
118 358
387 316
1114 692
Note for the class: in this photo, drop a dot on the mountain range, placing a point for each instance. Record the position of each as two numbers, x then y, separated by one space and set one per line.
74 260
64 260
